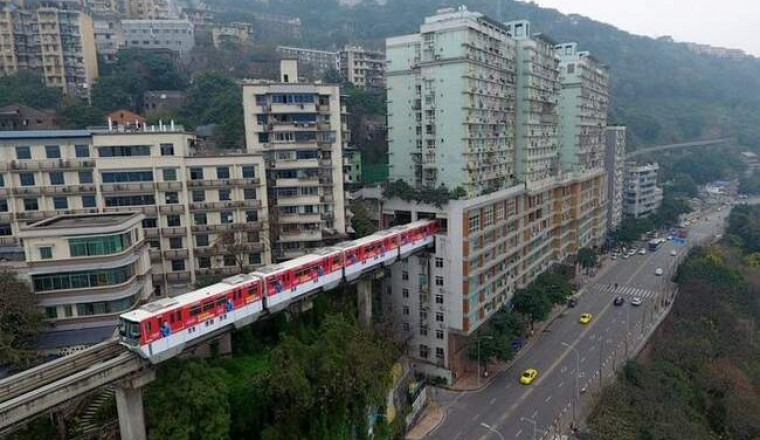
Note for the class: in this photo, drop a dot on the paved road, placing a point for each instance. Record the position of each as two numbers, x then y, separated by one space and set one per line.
504 404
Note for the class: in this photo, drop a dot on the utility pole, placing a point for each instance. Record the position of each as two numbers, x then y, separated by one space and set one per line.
478 342
576 398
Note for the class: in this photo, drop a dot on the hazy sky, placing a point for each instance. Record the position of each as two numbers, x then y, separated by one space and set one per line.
725 23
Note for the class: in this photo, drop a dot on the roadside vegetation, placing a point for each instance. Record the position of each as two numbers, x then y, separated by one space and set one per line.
700 376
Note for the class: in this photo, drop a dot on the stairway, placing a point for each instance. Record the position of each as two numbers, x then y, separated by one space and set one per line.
86 425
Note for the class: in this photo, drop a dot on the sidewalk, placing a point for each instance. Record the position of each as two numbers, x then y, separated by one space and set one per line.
431 417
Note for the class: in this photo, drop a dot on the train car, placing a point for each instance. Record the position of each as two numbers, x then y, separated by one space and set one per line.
300 276
369 252
161 329
415 235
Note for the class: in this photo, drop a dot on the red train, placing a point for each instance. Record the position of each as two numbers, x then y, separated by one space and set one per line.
162 329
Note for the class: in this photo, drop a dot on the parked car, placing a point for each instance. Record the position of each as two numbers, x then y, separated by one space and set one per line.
619 300
673 253
658 272
636 301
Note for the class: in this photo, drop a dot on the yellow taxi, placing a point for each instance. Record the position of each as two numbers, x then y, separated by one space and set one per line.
528 376
586 318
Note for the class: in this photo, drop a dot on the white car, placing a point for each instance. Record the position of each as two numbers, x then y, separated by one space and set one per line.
635 301
673 253
642 251
658 272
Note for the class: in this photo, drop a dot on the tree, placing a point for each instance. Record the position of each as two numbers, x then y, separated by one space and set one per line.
587 258
333 76
28 89
78 116
230 243
361 221
188 403
533 304
214 98
20 320
490 346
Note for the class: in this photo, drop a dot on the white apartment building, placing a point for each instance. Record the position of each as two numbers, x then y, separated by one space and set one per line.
538 92
86 269
109 36
641 195
175 35
190 201
475 103
451 98
362 68
584 103
615 165
317 61
300 130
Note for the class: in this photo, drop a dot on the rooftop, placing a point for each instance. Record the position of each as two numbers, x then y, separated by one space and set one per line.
83 221
45 134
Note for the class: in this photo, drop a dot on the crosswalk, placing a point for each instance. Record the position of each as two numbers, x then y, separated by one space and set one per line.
627 290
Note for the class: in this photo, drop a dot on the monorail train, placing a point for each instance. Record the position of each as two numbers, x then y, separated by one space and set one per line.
161 329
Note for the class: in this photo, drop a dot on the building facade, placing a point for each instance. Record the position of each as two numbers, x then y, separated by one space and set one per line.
538 92
352 167
451 97
109 36
87 269
237 33
475 103
54 38
316 62
174 35
615 166
362 68
641 195
205 214
300 130
583 109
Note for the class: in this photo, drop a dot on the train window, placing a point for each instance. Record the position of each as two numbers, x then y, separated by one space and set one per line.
208 306
221 301
195 309
252 289
336 260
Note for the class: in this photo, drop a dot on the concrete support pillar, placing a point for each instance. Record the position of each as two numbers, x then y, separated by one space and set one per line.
225 344
129 406
364 295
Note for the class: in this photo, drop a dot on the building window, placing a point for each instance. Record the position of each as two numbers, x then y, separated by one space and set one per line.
178 265
175 243
167 149
439 334
60 203
170 174
100 245
85 177
46 253
226 217
149 223
439 317
254 258
82 279
5 229
201 240
173 220
439 352
132 200
2 180
31 205
249 193
439 262
224 195
88 201
405 326
23 153
52 151
222 172
474 222
405 275
82 150
3 205
405 310
251 216
249 172
172 198
127 176
405 293
229 260
423 330
200 219
204 262
199 196
51 312
124 151
196 173
423 315
439 299
27 179
56 178
424 351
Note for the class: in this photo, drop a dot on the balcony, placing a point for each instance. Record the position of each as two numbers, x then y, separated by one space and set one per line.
211 206
146 209
151 232
300 236
31 215
301 181
175 254
6 216
78 163
245 182
299 218
4 191
294 164
294 108
119 187
298 200
174 277
213 228
169 186
28 165
229 270
155 255
175 231
248 226
250 203
209 183
171 209
8 241
205 251
27 190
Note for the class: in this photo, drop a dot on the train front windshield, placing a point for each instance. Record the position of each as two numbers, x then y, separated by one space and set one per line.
129 331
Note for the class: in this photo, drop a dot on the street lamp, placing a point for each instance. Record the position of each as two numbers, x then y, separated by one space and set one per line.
577 375
479 338
492 429
532 422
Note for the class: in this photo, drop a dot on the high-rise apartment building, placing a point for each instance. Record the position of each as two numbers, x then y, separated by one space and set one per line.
583 109
538 87
300 130
87 269
362 68
451 97
317 62
641 195
475 103
173 35
615 165
205 214
53 38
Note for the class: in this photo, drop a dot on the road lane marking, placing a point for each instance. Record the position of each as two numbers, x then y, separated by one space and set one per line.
561 384
492 401
535 414
548 398
518 433
583 359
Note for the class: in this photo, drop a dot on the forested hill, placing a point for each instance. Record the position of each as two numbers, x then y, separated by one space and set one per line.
661 90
